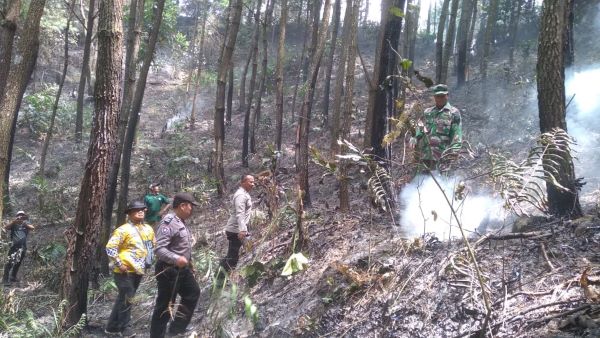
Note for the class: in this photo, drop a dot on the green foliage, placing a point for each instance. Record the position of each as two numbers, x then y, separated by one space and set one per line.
251 309
37 111
52 253
297 262
253 272
51 199
396 11
405 64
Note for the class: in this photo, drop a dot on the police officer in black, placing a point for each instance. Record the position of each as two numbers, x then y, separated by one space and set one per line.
19 229
173 270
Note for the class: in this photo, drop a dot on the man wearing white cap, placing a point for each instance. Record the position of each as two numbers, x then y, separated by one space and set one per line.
19 229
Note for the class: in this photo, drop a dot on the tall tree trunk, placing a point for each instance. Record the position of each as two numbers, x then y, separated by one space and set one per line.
428 29
569 42
315 11
487 43
299 73
134 113
439 42
279 75
413 37
515 16
61 83
349 94
85 68
306 110
8 29
243 77
247 114
463 43
219 123
385 64
83 235
229 96
200 60
263 78
330 57
449 42
551 103
339 80
18 76
134 33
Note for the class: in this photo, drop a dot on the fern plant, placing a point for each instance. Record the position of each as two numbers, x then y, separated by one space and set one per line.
522 185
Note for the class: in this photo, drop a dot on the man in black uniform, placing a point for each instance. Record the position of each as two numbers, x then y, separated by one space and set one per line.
19 229
174 271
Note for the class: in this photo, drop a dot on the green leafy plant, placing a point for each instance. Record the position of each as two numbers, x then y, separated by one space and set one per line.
297 262
251 309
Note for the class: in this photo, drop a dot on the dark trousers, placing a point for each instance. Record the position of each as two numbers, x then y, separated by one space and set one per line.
127 284
16 254
173 281
233 253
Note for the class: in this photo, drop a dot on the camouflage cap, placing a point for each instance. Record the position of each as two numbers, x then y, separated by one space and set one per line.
439 89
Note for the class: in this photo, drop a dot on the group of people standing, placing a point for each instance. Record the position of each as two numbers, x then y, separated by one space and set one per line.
134 246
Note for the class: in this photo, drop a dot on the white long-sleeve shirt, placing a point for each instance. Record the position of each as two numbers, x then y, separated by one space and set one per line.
242 208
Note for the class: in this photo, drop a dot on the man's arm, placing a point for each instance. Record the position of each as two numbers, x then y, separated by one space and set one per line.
456 132
112 248
161 250
239 204
166 206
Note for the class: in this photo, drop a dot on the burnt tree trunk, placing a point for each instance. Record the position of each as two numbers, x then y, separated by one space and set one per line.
279 75
330 57
449 42
229 107
515 16
439 42
551 104
8 29
83 235
85 69
463 42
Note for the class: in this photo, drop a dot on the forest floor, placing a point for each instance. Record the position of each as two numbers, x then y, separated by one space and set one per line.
366 276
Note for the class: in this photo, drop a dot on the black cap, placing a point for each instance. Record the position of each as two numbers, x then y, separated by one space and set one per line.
154 185
182 197
135 205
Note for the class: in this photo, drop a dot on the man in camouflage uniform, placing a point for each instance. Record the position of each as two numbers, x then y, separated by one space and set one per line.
439 133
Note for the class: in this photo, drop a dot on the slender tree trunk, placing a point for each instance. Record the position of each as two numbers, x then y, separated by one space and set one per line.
428 29
349 94
261 87
330 57
229 96
449 42
18 76
136 106
279 75
569 41
385 64
200 61
247 115
87 46
305 114
299 74
439 42
242 90
61 83
551 103
413 38
315 12
83 235
339 80
487 42
514 28
463 43
219 123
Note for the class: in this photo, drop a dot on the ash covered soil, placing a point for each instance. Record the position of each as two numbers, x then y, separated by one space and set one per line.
365 277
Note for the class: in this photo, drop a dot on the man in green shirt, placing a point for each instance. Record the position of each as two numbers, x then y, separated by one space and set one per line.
156 203
439 133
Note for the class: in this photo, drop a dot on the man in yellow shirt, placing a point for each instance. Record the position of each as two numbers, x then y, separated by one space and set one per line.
130 249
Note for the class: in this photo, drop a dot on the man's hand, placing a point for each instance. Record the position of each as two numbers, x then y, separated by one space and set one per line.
412 142
122 268
181 262
242 235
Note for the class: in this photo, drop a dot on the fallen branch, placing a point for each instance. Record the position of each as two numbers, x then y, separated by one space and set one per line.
562 314
545 254
517 235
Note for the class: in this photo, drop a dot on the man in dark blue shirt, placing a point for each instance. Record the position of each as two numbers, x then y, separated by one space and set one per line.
19 229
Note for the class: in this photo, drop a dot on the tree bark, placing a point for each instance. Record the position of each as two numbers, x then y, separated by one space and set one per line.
136 106
449 42
299 74
463 42
569 41
248 113
330 57
349 94
243 77
487 42
89 32
18 76
261 87
339 81
61 83
83 235
229 96
279 75
439 42
551 104
8 29
515 14
219 123
200 61
385 64
305 114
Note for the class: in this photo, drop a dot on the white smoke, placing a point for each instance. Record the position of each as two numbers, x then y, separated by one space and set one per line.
424 209
583 123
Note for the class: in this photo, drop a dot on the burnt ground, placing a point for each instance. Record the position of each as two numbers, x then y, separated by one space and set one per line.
365 277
